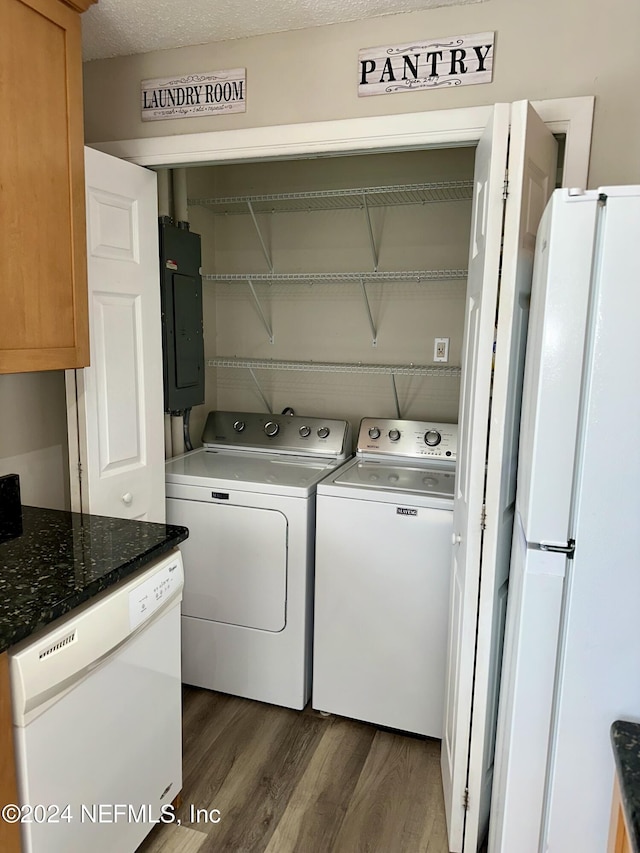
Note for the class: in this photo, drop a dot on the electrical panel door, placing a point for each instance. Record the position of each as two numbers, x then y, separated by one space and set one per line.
182 337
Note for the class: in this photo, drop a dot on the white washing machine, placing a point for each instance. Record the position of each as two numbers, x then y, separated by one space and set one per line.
383 563
248 499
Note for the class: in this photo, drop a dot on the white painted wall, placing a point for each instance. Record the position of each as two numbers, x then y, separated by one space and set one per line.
33 436
546 49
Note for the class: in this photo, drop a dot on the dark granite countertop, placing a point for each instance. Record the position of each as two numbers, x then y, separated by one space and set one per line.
625 738
51 561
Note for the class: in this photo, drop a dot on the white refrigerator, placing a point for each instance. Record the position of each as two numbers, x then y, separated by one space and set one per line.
571 661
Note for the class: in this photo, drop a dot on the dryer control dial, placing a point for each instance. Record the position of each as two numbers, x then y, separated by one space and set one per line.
323 432
239 426
305 431
374 432
271 428
394 434
432 437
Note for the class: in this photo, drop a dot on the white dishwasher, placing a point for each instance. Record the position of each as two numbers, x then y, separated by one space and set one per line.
97 717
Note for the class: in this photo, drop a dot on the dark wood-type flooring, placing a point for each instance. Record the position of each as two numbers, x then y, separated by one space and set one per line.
297 782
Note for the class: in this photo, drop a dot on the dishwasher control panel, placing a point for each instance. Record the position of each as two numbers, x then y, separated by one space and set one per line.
152 593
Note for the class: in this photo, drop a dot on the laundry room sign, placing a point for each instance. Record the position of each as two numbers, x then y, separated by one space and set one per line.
426 64
209 93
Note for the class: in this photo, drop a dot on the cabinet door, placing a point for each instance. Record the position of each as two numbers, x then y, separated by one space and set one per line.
43 322
9 832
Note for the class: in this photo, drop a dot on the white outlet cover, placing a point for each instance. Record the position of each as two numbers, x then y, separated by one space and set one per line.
441 349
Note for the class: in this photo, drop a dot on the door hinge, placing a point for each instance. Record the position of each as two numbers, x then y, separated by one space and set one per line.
483 517
80 470
465 800
568 549
505 186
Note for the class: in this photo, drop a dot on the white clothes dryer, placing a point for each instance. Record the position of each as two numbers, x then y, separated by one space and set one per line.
383 563
248 499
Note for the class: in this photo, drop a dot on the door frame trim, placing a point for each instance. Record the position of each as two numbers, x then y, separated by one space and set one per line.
407 131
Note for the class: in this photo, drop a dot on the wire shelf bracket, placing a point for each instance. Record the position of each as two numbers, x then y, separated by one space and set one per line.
265 251
372 325
372 239
265 322
395 396
260 392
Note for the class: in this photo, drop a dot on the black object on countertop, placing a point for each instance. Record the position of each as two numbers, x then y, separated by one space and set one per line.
10 507
625 737
62 559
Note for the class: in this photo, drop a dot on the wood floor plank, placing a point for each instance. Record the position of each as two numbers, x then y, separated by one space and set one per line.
319 802
257 792
398 802
173 839
232 747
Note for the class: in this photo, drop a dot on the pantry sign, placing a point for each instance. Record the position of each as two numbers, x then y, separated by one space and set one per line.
209 93
426 64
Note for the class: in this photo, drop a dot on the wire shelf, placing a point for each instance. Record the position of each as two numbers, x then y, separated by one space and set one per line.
368 276
337 367
425 193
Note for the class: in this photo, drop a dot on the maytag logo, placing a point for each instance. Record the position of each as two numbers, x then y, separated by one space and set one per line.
403 510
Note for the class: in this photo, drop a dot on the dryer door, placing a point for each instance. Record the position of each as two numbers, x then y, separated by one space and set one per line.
235 563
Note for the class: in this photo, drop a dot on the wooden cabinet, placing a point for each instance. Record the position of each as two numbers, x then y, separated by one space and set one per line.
9 832
43 289
619 840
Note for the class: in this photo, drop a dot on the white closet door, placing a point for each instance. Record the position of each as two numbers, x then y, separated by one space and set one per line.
532 172
118 400
482 294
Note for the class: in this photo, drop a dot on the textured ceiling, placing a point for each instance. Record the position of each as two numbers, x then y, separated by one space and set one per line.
121 27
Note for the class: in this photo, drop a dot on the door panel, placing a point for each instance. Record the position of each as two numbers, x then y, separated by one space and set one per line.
117 402
532 170
482 292
230 576
116 327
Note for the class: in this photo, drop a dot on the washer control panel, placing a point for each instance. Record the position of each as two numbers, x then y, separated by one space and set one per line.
410 439
292 434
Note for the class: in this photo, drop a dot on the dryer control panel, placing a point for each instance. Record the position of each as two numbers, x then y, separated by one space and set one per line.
383 437
288 434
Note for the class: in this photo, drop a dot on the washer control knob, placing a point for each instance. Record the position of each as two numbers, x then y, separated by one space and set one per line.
239 426
432 437
374 432
305 431
271 428
394 434
323 432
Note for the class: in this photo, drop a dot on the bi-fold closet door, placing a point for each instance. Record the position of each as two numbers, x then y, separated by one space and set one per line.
112 454
514 177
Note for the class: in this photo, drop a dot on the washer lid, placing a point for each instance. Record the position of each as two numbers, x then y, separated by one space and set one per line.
241 469
398 478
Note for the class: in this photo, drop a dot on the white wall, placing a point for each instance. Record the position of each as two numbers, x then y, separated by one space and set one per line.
33 436
544 49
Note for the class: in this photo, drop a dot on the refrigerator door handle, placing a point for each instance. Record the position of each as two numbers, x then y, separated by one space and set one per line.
567 549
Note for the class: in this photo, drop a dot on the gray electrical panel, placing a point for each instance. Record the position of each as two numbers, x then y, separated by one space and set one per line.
181 299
